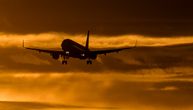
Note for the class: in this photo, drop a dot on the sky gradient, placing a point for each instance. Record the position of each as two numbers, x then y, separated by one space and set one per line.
145 17
157 75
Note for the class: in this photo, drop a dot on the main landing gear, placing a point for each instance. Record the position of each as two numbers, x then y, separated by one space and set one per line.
89 62
64 62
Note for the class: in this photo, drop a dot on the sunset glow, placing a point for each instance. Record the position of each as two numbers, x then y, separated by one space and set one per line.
157 74
46 40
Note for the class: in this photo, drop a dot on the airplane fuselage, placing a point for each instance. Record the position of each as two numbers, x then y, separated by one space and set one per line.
76 50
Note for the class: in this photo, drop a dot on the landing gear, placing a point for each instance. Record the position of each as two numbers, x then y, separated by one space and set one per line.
64 62
89 62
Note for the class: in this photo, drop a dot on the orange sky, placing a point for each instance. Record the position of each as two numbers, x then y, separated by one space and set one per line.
157 75
143 78
53 40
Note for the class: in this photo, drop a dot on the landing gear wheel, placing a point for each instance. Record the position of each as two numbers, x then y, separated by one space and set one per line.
89 62
64 62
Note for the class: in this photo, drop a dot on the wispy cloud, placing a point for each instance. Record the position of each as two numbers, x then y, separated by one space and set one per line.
149 76
117 90
53 40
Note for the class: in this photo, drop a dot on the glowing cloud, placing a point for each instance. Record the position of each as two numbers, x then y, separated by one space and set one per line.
53 40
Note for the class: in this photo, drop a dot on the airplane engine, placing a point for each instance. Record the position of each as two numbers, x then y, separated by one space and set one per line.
55 56
93 56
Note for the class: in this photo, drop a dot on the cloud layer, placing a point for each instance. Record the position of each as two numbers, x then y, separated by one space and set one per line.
156 75
151 53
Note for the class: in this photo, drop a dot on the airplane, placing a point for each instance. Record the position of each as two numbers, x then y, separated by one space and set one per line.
72 49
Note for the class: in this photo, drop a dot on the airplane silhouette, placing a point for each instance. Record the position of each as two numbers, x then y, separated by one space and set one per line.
73 49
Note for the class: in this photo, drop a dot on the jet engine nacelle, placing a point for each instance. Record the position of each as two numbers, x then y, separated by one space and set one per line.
55 56
93 56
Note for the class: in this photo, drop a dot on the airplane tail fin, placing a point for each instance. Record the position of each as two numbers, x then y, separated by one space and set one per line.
87 40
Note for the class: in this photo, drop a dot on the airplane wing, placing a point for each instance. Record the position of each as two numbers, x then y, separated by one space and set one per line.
45 51
112 50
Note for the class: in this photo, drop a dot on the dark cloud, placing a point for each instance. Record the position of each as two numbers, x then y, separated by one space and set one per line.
146 17
164 58
141 92
8 105
117 92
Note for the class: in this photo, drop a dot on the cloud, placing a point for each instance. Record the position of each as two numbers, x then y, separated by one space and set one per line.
156 75
14 105
164 58
151 53
150 76
92 90
27 60
53 40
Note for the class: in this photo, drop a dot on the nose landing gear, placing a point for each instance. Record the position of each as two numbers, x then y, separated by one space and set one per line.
89 62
